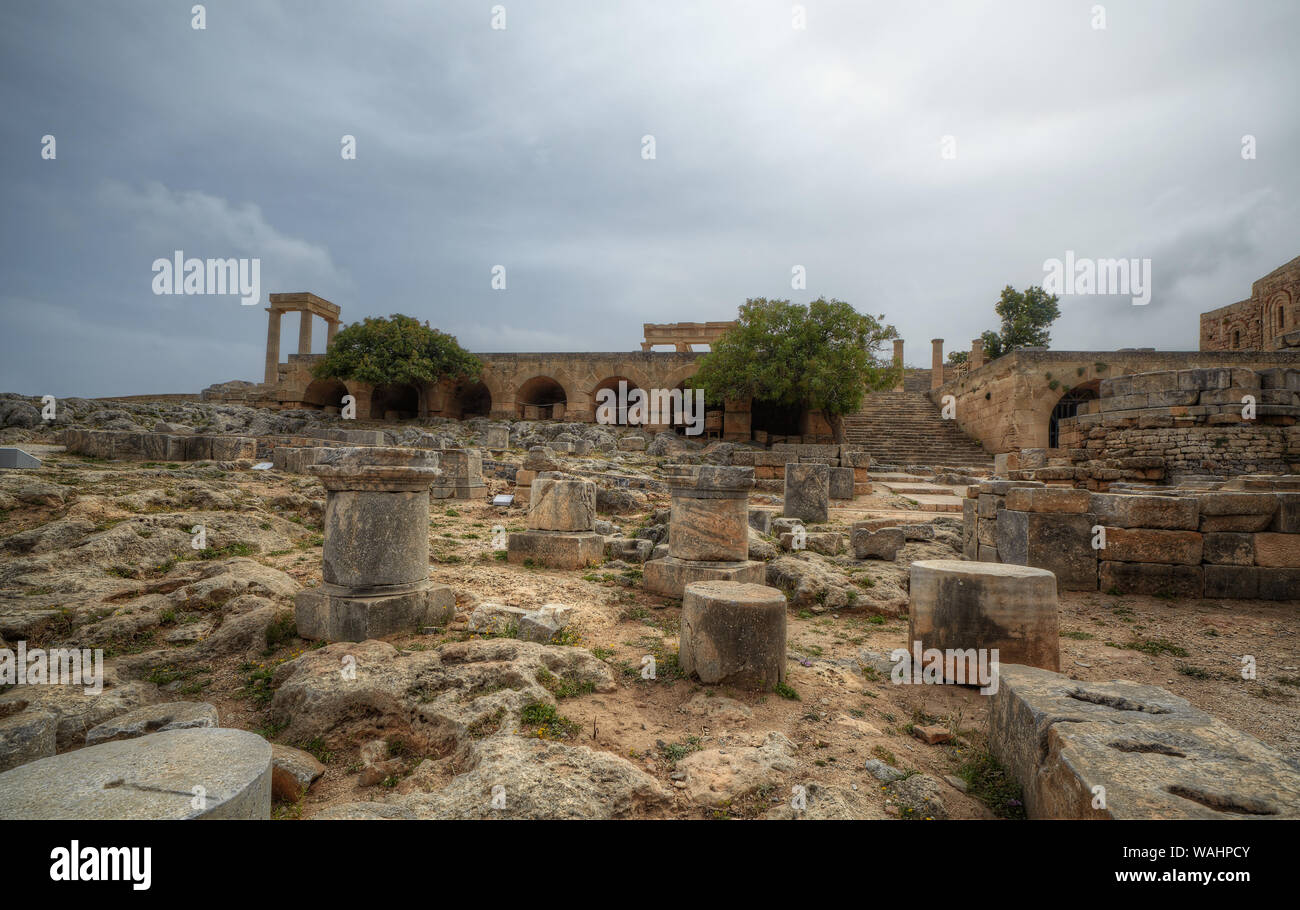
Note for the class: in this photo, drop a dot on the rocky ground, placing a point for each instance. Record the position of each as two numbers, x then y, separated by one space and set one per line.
99 554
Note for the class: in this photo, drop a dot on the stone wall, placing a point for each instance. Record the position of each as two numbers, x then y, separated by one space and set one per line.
1007 404
1191 423
157 446
1180 543
769 467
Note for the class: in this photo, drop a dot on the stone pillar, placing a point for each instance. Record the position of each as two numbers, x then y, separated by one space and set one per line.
958 605
733 634
807 492
936 362
976 359
376 561
561 519
272 344
330 333
304 333
898 363
708 530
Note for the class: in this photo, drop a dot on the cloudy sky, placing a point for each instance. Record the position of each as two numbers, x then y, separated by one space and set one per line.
774 147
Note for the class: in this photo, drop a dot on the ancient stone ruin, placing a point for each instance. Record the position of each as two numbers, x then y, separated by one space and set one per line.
375 568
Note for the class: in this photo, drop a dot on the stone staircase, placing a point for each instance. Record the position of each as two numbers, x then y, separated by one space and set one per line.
904 428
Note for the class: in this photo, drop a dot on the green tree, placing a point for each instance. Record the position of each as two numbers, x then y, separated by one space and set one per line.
822 356
399 350
1026 318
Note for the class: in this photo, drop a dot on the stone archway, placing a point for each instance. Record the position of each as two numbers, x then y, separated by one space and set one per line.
395 402
472 399
325 394
619 406
1068 406
541 398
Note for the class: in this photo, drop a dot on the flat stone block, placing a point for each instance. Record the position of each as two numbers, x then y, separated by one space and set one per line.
670 576
708 530
1278 550
325 616
1229 549
1153 753
960 605
1146 545
1278 584
1048 499
1150 578
1237 582
1128 510
733 633
150 777
556 549
1060 542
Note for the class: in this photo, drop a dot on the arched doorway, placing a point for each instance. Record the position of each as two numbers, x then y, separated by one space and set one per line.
1068 406
395 402
775 419
540 398
617 405
325 394
473 400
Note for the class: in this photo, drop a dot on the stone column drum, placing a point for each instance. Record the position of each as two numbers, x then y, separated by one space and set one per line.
734 633
959 605
807 492
376 555
561 522
708 530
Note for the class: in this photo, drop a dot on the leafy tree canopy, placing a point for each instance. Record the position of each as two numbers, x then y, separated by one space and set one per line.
399 350
1026 318
822 356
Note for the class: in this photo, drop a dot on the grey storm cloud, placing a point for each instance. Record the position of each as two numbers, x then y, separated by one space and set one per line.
775 147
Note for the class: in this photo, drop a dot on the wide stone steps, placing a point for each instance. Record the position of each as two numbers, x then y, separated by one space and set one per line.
906 428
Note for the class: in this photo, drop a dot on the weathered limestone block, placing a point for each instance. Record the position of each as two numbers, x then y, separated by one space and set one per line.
1149 578
561 503
1230 511
1278 550
734 634
1048 499
376 555
1238 582
1031 459
882 544
462 475
670 576
1148 545
27 736
1154 755
632 444
496 438
176 715
807 492
556 549
1287 518
960 605
841 483
1060 542
148 777
1129 510
1229 549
